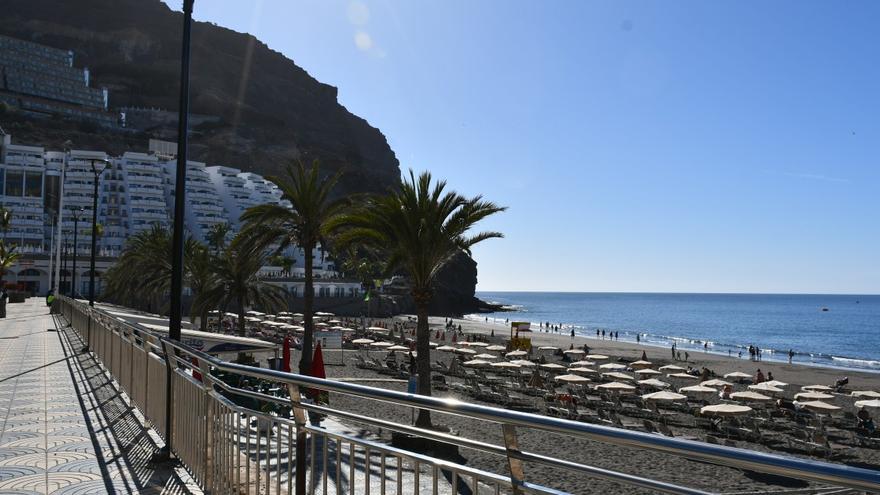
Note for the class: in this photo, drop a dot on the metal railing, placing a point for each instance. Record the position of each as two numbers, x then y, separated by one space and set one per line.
230 448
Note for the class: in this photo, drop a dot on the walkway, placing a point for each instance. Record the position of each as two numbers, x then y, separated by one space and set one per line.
64 426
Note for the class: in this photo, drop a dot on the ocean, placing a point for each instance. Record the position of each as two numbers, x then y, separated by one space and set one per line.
846 335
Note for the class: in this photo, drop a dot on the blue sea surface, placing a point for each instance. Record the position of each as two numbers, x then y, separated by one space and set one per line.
847 335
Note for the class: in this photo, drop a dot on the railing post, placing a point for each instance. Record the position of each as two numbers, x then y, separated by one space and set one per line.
207 386
299 417
517 474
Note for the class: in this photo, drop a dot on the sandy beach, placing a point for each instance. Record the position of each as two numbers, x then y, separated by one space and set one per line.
665 467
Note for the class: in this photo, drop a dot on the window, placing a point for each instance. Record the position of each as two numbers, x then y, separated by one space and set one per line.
33 185
14 183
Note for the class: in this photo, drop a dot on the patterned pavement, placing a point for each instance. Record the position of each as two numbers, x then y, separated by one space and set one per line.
64 426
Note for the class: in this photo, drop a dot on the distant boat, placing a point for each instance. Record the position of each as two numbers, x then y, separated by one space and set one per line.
825 309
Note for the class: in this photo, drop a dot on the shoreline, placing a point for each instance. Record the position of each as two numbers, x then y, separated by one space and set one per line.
797 373
693 345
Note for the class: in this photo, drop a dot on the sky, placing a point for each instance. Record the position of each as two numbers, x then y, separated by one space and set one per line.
640 146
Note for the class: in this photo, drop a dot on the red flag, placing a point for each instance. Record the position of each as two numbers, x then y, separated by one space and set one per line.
196 374
285 355
320 396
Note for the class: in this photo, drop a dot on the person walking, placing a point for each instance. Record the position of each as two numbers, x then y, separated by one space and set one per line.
790 355
4 298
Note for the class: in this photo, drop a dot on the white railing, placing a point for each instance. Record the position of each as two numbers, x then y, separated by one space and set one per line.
231 448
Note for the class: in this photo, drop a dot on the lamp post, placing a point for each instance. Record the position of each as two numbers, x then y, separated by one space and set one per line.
77 212
63 265
97 173
176 300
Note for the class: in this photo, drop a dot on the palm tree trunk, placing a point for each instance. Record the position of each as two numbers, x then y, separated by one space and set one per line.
423 349
305 363
203 320
241 328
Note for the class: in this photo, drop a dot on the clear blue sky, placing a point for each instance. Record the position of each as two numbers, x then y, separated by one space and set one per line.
641 146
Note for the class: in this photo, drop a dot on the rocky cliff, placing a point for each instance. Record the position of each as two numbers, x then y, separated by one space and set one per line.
264 110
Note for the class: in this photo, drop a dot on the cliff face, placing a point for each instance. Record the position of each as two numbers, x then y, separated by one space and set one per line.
269 109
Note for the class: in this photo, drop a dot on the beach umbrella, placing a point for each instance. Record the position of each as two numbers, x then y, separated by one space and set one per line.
664 396
525 363
612 366
818 406
697 390
552 366
381 344
582 370
597 357
870 404
777 383
866 393
750 397
671 367
653 382
476 344
485 356
647 371
618 375
723 410
572 352
616 387
334 322
766 387
464 351
683 376
446 348
812 396
362 341
640 364
516 353
582 363
572 379
433 345
818 388
476 363
548 348
377 329
715 383
322 313
505 364
737 375
398 348
496 348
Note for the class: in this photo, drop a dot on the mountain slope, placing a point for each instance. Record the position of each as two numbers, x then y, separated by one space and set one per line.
270 110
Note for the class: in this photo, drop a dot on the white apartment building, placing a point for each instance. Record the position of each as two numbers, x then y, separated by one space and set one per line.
135 192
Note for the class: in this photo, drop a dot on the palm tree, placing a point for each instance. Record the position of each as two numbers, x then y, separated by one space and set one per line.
8 257
236 281
200 277
216 236
303 225
419 228
5 221
143 269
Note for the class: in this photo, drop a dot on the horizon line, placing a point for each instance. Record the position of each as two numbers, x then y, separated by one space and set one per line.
679 292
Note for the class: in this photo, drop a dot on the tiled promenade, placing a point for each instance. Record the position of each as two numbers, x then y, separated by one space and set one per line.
64 427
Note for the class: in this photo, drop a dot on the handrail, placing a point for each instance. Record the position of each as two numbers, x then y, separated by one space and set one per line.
845 476
835 474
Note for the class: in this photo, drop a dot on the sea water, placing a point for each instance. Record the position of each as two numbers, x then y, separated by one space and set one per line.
827 330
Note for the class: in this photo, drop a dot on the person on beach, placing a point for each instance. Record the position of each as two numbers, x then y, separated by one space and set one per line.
673 350
572 333
603 334
725 392
687 356
597 333
638 338
644 356
616 335
865 422
770 376
705 347
759 377
790 355
678 355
